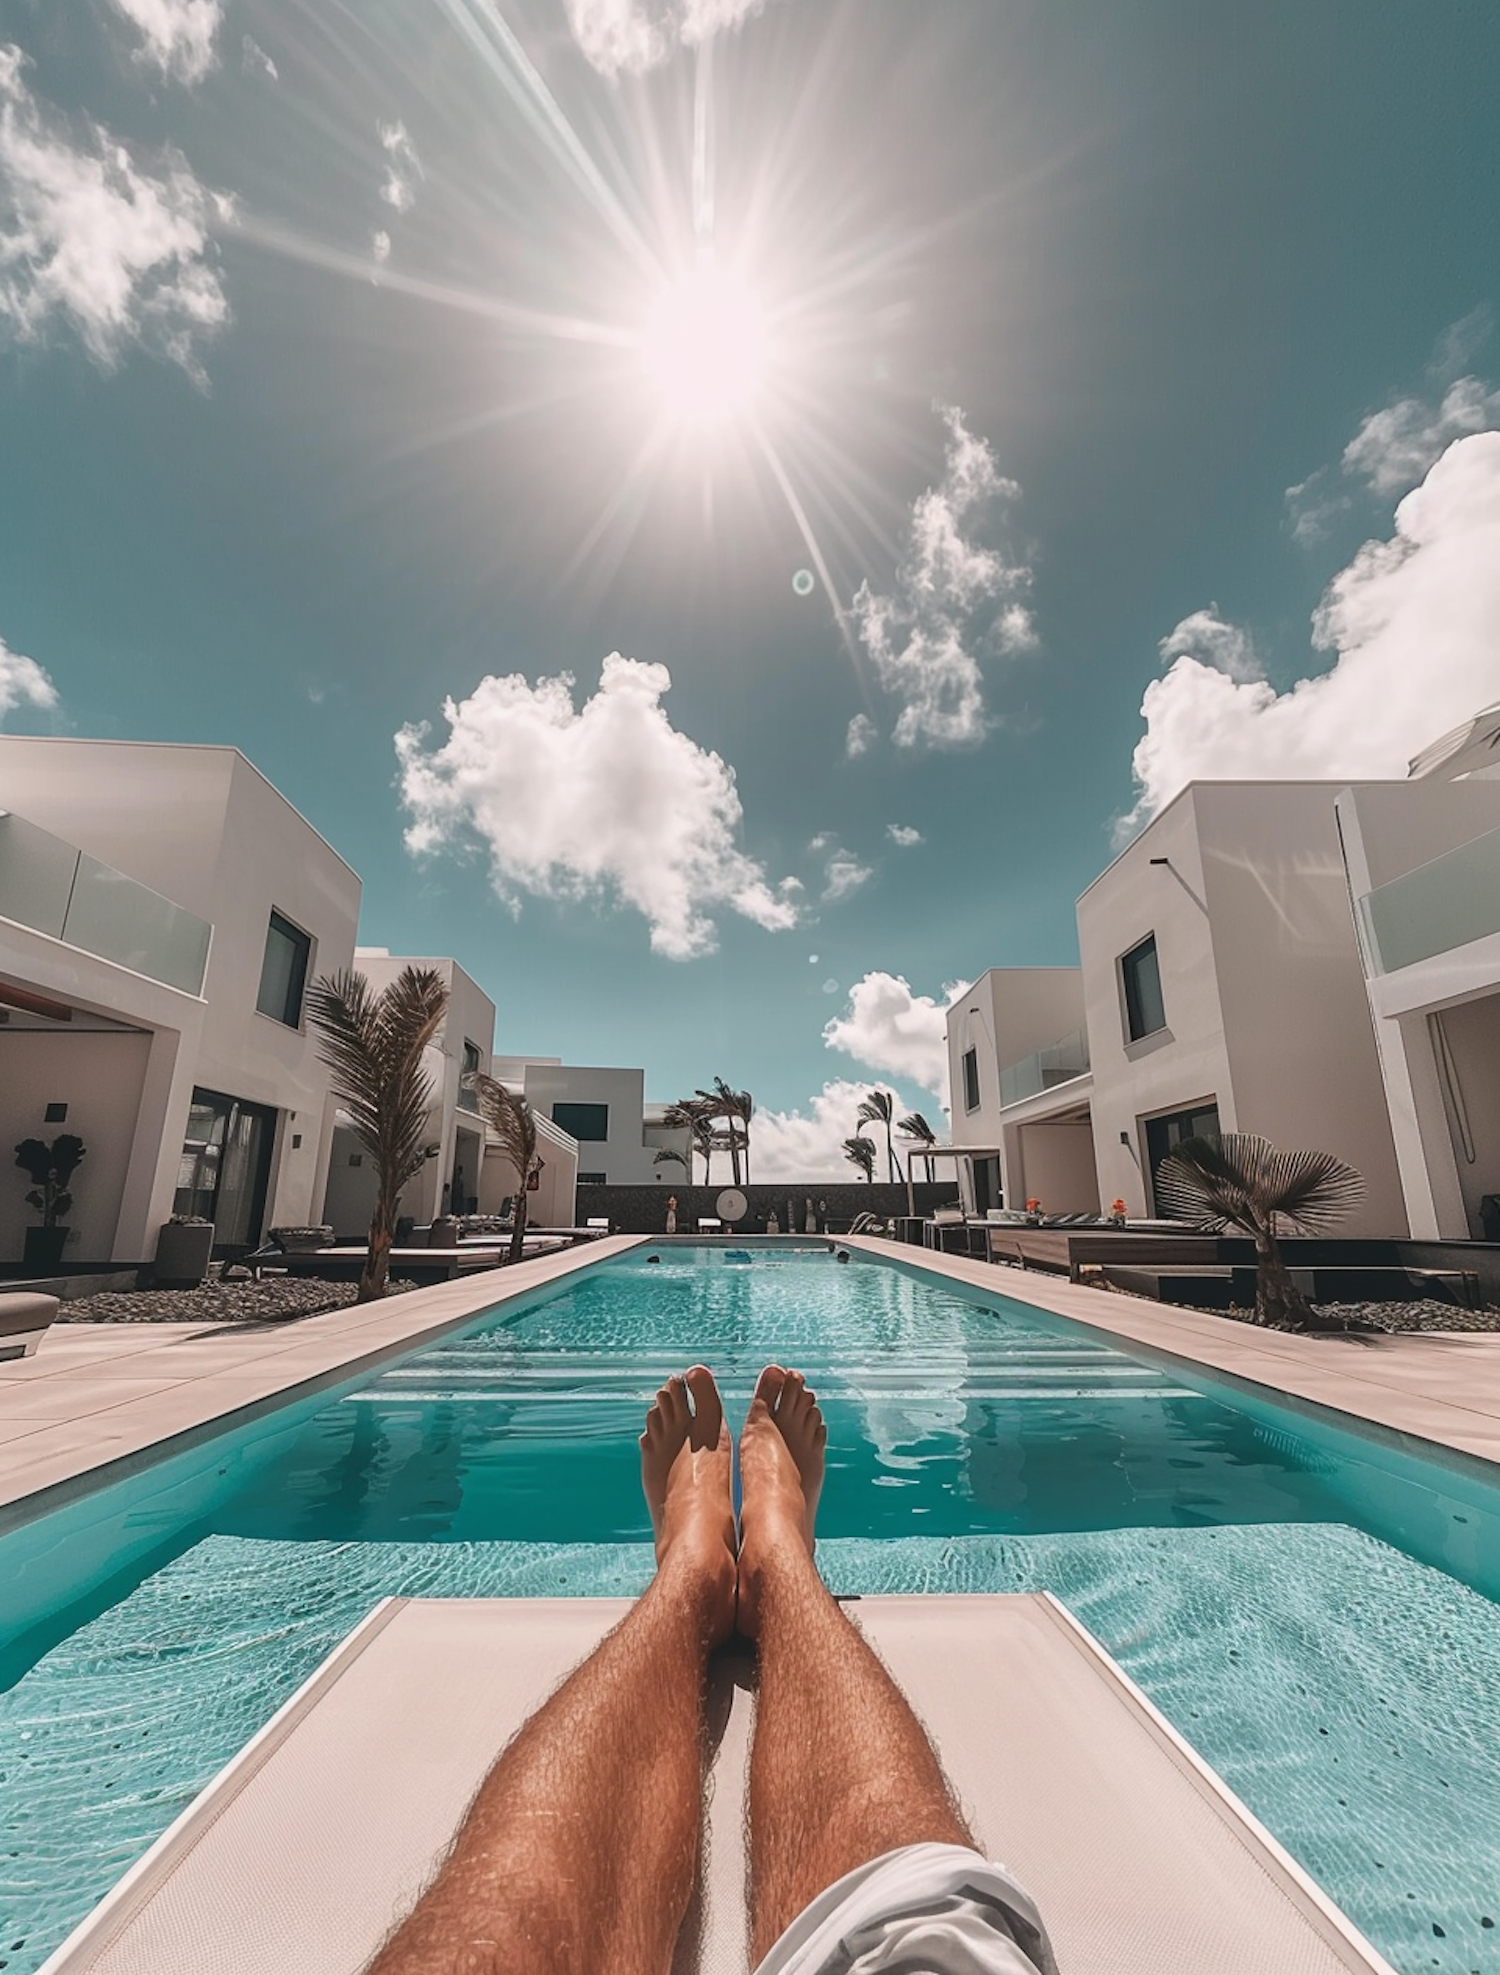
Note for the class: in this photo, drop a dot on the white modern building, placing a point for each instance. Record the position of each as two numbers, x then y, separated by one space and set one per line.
1220 988
605 1112
1423 861
162 910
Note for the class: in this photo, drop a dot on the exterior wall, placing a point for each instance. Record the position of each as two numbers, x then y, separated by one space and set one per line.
1261 984
1054 1163
553 1205
1439 1099
1008 1014
623 1157
1185 1063
205 829
99 1075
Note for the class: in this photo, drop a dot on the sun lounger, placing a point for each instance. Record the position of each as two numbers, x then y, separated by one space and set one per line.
319 1834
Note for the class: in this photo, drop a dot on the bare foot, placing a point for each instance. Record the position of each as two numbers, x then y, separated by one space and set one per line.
781 1476
686 1474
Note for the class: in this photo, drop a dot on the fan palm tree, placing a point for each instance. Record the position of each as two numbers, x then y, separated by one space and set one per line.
860 1151
510 1117
1240 1180
372 1044
915 1129
879 1107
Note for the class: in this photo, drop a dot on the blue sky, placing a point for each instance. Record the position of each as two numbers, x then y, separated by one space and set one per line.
917 390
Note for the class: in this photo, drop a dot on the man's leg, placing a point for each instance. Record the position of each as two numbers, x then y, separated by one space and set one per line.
841 1770
577 1856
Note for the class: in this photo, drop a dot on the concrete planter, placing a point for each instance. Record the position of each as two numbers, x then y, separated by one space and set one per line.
302 1241
44 1249
182 1255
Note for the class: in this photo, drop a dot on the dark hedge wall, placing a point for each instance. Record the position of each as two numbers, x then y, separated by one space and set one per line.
642 1209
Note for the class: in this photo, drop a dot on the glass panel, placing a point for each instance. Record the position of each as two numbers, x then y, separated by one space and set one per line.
469 1099
283 972
589 1122
202 1151
1446 903
241 1194
971 1079
1164 1135
56 889
113 916
36 875
1058 1063
1145 1011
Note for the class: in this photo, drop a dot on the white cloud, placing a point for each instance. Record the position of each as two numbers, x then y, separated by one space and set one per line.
822 841
87 235
808 1144
583 802
830 986
636 35
890 1029
843 875
1393 449
380 246
904 835
1413 621
255 61
954 602
861 737
177 36
23 682
1312 508
402 166
1206 636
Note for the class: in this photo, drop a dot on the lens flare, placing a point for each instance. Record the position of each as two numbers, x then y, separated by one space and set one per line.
704 347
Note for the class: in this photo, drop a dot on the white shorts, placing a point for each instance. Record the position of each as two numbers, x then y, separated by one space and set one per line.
941 1909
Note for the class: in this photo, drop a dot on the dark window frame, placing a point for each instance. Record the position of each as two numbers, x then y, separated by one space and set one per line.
1140 1009
593 1179
295 998
971 1079
600 1113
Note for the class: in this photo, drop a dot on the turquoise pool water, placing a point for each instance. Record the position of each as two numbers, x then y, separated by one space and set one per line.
1314 1610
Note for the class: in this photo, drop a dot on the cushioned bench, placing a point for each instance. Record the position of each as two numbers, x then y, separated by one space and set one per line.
24 1317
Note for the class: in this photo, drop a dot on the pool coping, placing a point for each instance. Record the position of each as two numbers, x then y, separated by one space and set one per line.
1405 1386
68 1427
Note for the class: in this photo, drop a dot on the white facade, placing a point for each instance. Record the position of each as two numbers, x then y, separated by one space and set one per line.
1423 860
138 885
450 1179
605 1110
1263 1023
1019 1085
553 1201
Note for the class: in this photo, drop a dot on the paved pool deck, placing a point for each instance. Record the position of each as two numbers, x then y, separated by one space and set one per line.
97 1401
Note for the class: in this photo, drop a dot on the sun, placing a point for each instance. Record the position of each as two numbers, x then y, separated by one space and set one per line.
704 347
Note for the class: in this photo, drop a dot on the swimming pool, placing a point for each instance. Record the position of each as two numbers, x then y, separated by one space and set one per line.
1314 1609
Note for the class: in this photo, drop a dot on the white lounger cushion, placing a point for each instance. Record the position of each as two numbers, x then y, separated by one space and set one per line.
298 1858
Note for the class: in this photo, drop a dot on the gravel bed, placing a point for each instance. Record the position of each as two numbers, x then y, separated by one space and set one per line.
274 1299
1426 1313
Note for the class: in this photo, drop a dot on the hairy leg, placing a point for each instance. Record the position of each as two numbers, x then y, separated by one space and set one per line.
577 1855
841 1770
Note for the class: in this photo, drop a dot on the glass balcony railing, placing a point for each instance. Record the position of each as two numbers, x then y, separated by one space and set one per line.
1058 1063
1446 903
55 888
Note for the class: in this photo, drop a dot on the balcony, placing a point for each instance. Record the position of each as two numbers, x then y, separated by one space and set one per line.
1440 905
55 888
1058 1063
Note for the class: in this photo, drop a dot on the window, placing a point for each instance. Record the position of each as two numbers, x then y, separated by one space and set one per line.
971 1079
1164 1135
588 1122
1141 973
593 1179
468 1097
283 972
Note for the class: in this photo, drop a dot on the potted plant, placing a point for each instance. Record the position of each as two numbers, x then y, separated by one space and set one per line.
49 1168
183 1249
1117 1212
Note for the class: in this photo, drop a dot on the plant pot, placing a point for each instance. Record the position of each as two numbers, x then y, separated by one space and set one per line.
302 1241
182 1256
44 1248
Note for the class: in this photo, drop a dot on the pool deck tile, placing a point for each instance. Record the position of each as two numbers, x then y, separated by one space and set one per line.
93 1395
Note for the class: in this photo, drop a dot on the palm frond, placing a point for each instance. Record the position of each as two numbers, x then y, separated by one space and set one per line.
878 1107
916 1127
510 1117
372 1044
1240 1179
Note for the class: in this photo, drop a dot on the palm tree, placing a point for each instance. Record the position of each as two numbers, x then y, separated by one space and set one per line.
1240 1180
510 1117
372 1044
916 1130
689 1114
860 1151
735 1108
744 1107
879 1107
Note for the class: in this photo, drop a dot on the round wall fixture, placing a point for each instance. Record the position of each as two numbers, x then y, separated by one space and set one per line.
731 1205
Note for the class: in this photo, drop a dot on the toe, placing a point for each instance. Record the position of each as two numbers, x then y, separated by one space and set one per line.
768 1387
708 1409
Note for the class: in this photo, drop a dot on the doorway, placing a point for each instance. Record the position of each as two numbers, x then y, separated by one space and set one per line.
1164 1135
226 1168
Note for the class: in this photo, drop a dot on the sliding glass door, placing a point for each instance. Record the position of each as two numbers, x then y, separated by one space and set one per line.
226 1166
